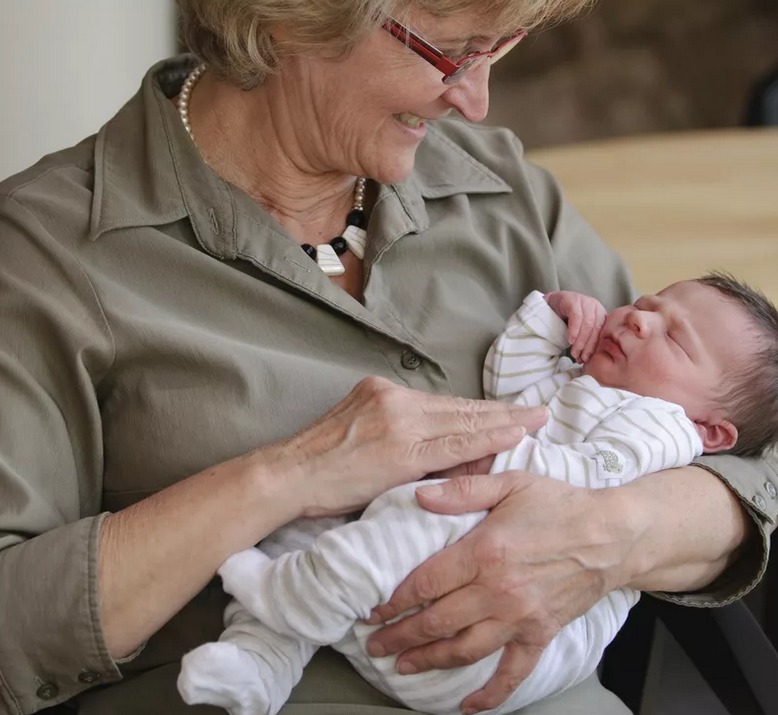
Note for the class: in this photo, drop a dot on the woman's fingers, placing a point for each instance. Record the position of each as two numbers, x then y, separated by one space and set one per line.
467 647
451 450
394 435
471 493
516 663
446 571
448 634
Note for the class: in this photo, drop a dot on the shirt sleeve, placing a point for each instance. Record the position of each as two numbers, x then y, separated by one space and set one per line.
55 346
586 265
755 482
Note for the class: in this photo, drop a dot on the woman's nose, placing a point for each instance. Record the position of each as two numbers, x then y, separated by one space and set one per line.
470 96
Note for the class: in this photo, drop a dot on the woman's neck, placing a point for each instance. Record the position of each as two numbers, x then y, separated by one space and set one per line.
245 137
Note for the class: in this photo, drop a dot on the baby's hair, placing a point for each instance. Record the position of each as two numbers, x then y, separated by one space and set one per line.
751 397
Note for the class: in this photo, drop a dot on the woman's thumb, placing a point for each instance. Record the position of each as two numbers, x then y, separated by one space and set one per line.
464 494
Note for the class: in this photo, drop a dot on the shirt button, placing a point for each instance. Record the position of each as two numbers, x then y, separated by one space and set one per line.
88 676
410 360
47 691
760 502
770 489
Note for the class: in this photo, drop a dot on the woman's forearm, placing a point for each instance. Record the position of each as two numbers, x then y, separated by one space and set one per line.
688 526
157 554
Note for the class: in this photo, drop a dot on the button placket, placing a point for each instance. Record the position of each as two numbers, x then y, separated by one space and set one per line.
47 691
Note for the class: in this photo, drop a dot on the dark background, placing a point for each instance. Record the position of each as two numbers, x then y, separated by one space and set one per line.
635 66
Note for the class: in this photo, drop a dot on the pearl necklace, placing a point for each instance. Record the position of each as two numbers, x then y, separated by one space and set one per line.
327 255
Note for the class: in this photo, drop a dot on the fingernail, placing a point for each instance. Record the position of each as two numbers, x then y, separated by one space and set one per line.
434 491
470 711
375 649
407 669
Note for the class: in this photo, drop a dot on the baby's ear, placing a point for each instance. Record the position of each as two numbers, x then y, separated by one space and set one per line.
716 436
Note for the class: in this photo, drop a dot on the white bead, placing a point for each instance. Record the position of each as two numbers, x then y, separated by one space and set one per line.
356 238
328 260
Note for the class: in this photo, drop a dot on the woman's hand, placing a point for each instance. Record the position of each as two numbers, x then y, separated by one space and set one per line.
545 554
381 435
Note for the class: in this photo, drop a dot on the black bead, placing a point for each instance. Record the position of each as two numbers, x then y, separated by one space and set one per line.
356 217
310 251
339 245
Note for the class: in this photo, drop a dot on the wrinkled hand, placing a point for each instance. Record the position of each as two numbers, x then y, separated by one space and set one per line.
381 435
585 317
544 555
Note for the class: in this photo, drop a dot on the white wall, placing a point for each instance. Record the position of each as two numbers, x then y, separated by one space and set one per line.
66 66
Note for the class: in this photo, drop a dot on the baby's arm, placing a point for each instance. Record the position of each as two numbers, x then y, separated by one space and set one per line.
640 436
528 350
533 343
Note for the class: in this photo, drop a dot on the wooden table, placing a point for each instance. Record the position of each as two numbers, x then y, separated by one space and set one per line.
677 205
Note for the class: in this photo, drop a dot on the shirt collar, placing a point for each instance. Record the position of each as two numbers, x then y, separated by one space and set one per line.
148 172
444 168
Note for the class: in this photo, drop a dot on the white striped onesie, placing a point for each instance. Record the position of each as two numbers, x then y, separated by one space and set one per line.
318 578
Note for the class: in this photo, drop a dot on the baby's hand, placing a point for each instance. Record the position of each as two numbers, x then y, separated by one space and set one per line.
585 317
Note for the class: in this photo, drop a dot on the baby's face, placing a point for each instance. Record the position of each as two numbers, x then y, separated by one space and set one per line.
677 345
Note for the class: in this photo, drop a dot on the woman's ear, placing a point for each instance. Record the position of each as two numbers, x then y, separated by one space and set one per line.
716 436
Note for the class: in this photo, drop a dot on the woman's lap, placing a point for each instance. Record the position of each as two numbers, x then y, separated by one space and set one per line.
329 687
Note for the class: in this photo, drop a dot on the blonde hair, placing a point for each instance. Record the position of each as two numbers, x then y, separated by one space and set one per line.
234 37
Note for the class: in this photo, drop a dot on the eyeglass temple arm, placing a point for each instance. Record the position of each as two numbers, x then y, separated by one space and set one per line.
429 52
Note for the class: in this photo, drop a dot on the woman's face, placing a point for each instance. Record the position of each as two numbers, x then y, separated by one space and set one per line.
366 114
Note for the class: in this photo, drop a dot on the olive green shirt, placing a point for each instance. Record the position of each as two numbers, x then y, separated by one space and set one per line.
154 320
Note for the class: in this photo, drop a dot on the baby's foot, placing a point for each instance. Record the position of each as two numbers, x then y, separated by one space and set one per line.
222 674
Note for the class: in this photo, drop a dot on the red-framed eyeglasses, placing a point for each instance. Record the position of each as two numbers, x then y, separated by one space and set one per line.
452 71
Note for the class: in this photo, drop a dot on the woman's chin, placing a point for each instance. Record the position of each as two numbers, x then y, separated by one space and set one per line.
394 173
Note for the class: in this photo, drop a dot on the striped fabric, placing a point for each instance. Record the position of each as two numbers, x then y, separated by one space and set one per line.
290 601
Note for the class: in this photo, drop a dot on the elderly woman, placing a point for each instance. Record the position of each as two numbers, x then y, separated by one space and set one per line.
189 360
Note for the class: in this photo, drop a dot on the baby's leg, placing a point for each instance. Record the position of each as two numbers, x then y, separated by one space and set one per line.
250 671
318 594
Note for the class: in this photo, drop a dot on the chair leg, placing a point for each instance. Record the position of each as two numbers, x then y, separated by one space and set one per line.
625 663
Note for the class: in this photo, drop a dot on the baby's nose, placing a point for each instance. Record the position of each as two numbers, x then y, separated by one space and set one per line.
640 323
